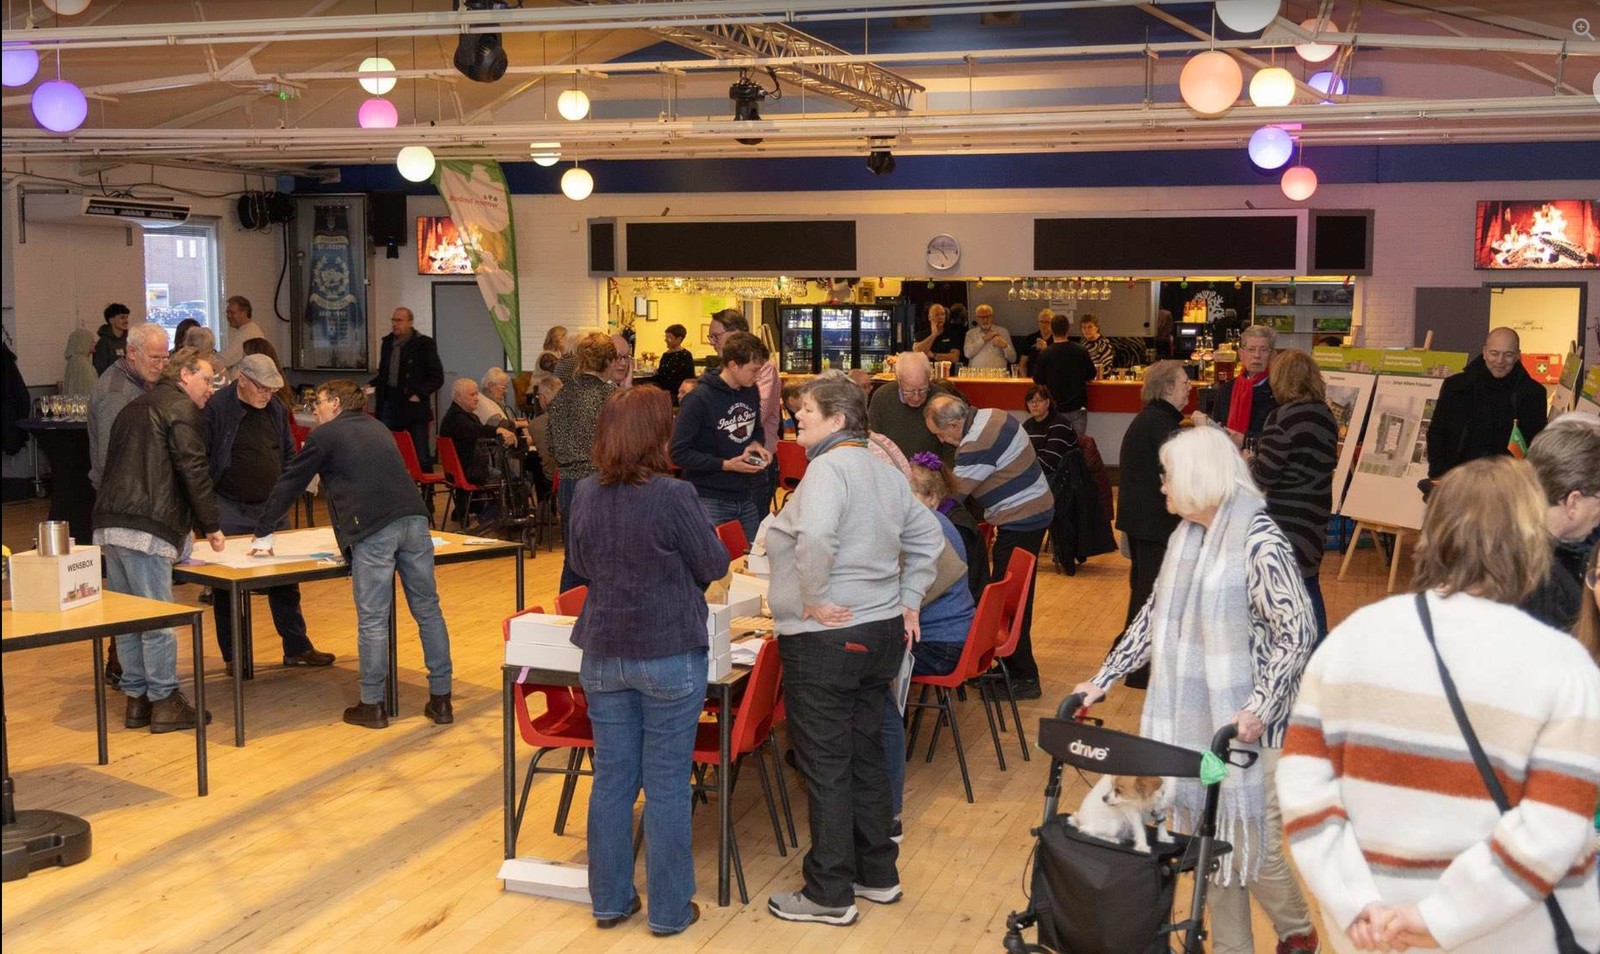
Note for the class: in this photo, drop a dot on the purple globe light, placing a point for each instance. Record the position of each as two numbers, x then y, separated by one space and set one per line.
1327 83
1271 147
59 106
20 63
378 113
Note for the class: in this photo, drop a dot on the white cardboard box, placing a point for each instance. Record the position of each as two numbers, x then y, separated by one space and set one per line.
50 584
720 643
718 666
568 658
549 879
718 618
757 564
542 629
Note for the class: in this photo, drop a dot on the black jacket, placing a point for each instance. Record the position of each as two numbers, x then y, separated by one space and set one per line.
1473 416
16 406
364 480
108 348
1262 404
465 430
421 375
1560 596
1066 369
155 477
223 414
1141 506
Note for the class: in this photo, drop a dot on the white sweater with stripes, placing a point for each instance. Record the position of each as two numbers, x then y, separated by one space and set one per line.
1380 797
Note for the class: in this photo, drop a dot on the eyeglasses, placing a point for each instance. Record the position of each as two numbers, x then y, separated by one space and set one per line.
913 392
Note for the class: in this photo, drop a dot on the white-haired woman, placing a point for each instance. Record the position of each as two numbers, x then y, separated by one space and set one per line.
1226 632
495 405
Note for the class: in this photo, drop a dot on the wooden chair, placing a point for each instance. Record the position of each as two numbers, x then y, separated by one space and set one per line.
976 655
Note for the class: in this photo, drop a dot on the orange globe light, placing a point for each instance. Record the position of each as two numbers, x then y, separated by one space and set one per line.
1299 183
1210 82
1317 52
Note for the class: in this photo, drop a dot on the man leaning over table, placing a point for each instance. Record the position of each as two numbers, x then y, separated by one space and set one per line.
382 526
249 445
155 490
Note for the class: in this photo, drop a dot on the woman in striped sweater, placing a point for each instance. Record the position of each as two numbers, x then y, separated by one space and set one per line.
1388 819
1293 465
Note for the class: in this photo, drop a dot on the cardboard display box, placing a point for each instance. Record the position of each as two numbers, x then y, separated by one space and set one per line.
51 584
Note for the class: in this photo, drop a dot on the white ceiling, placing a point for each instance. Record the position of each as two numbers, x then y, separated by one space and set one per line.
213 88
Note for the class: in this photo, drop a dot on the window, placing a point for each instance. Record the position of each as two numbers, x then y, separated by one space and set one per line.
182 278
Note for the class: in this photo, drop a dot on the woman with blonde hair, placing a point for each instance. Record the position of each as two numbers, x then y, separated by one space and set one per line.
1396 820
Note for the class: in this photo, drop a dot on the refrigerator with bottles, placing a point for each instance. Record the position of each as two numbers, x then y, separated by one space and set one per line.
815 338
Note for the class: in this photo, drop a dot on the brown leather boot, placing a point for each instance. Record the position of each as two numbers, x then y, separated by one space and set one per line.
438 709
173 714
369 714
138 714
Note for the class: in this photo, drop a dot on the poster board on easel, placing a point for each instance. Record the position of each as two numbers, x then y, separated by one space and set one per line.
1349 396
1394 455
1589 394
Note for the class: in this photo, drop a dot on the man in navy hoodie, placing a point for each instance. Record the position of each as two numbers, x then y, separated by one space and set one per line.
718 438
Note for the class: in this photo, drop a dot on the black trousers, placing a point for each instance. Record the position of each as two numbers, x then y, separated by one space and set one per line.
1147 557
836 685
1021 662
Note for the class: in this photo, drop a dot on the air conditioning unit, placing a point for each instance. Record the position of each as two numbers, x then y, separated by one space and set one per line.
103 210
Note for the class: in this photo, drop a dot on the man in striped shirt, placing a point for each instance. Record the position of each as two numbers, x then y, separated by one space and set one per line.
996 467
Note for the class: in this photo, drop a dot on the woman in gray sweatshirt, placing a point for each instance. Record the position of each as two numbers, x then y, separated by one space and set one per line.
852 555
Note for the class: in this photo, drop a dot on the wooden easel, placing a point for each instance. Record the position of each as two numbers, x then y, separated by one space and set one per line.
1375 529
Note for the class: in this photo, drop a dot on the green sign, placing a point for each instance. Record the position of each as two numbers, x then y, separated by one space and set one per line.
480 204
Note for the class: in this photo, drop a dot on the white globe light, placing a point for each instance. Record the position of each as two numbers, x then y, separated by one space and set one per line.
415 163
59 106
1317 52
576 184
1247 16
1272 87
1210 82
545 154
573 104
1271 147
67 8
1299 182
378 114
376 85
1597 87
1326 83
20 64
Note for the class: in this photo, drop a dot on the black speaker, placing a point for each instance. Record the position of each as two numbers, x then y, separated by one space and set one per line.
386 218
602 246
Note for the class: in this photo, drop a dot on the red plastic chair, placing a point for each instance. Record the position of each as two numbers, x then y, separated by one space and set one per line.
987 532
1018 582
751 734
564 724
455 477
731 533
976 655
571 602
428 483
299 434
791 468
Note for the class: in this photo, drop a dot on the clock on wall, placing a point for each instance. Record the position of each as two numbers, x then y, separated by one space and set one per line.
943 252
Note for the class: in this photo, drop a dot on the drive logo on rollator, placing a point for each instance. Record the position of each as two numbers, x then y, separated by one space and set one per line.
1080 747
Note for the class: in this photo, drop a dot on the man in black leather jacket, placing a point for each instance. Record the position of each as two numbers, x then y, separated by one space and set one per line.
155 490
409 373
1477 408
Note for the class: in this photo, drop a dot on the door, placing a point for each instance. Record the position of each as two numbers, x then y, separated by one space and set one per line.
467 340
1458 318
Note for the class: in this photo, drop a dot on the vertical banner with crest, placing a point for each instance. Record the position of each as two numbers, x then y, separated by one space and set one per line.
479 202
334 334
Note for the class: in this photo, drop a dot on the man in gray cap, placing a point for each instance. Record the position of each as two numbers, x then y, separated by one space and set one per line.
249 444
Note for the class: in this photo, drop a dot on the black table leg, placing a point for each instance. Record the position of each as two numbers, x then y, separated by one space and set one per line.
508 759
391 689
199 703
724 788
248 662
100 699
234 603
521 576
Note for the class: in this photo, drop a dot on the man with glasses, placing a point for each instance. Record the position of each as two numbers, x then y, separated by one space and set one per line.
1482 410
248 445
896 412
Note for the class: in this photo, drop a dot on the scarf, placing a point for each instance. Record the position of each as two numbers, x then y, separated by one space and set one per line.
1244 392
834 440
1202 672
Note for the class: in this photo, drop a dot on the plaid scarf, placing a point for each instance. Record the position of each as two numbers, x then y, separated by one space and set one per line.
1201 668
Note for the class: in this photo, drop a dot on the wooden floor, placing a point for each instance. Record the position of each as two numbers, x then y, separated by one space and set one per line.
320 836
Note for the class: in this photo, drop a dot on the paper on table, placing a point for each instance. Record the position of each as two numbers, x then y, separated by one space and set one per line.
744 651
290 546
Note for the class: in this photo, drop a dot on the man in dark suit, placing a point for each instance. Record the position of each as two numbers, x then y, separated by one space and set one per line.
409 373
1478 408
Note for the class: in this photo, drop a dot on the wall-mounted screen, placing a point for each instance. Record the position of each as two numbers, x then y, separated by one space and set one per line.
440 250
1539 233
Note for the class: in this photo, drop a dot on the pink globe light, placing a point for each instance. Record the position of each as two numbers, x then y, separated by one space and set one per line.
1299 183
59 106
20 64
1210 82
1327 83
1317 52
1271 147
378 113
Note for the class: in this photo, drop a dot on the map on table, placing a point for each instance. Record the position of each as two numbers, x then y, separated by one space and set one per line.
288 546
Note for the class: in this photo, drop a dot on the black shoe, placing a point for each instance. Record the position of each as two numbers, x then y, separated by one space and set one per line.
227 668
113 674
369 714
609 923
138 714
438 709
309 658
694 915
1025 689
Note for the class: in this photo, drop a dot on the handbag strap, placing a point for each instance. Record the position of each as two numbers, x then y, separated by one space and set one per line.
1565 940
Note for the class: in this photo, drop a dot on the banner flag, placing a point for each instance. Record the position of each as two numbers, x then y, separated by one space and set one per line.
480 204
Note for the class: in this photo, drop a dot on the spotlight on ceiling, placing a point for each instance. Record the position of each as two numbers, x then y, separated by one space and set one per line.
880 160
747 96
479 56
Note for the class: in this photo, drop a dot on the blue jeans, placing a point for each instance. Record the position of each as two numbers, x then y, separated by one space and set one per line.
149 659
564 494
404 545
644 713
1318 607
743 509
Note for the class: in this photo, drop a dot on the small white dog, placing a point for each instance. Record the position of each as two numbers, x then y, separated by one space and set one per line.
1118 808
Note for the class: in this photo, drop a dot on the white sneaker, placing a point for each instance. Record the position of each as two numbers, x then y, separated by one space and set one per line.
795 906
887 895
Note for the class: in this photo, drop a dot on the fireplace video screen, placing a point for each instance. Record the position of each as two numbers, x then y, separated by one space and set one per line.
1542 234
440 250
